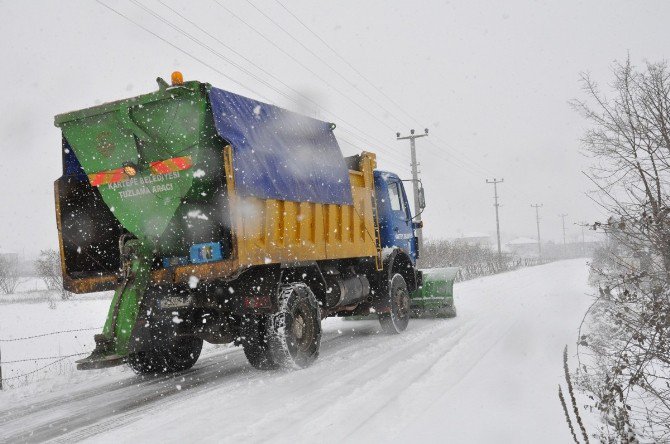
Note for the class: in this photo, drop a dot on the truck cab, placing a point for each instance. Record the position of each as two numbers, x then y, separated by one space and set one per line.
396 227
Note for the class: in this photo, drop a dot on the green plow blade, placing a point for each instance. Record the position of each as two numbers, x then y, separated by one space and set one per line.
435 297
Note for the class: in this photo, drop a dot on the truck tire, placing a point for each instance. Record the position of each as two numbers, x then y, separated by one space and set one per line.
294 331
255 343
396 320
163 349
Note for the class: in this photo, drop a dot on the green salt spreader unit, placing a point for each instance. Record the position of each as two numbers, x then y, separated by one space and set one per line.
154 138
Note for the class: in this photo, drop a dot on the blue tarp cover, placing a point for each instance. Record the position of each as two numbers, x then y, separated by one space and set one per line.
278 154
71 165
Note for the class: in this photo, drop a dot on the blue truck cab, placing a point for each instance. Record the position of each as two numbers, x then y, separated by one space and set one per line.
396 228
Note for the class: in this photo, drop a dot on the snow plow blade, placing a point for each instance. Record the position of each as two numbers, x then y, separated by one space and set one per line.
435 296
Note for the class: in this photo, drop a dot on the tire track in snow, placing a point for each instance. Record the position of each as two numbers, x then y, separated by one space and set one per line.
417 377
47 421
354 381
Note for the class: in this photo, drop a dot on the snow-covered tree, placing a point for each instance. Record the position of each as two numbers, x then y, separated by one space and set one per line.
625 344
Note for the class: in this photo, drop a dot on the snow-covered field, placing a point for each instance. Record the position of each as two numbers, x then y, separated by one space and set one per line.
489 375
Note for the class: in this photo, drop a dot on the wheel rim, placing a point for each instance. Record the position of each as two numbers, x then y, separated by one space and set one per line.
401 303
301 331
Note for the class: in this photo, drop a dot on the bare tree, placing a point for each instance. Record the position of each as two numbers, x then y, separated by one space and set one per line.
48 268
625 343
9 273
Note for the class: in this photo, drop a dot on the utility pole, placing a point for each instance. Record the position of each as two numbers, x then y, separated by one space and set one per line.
583 224
415 181
537 221
563 216
495 183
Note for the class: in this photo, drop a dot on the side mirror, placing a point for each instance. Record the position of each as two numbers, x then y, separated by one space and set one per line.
422 199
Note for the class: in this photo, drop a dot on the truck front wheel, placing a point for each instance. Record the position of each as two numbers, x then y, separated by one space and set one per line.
397 300
294 331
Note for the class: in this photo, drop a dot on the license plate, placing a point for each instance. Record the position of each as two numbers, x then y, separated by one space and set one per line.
175 302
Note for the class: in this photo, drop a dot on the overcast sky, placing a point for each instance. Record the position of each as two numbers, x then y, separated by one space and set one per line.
491 80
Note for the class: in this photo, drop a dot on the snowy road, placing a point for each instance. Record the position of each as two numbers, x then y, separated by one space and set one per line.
480 377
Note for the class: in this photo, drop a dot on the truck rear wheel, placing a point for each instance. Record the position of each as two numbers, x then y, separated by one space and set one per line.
294 331
397 318
255 343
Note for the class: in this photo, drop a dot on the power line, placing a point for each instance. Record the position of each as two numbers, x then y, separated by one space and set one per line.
331 67
178 48
388 160
334 88
373 142
460 159
377 143
209 48
463 163
353 68
318 57
467 164
473 165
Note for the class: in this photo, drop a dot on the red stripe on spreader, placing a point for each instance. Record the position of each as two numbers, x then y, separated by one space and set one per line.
171 165
117 176
100 179
159 167
182 162
105 177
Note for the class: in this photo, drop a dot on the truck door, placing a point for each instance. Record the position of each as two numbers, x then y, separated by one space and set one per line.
395 219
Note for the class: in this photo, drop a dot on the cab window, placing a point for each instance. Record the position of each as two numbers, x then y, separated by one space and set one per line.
395 197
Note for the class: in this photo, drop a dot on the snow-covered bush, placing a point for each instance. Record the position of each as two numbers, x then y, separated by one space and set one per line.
473 260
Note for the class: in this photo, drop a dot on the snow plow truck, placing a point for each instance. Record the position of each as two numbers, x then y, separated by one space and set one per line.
219 218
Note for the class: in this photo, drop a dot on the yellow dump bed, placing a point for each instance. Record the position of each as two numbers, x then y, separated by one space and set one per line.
269 231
